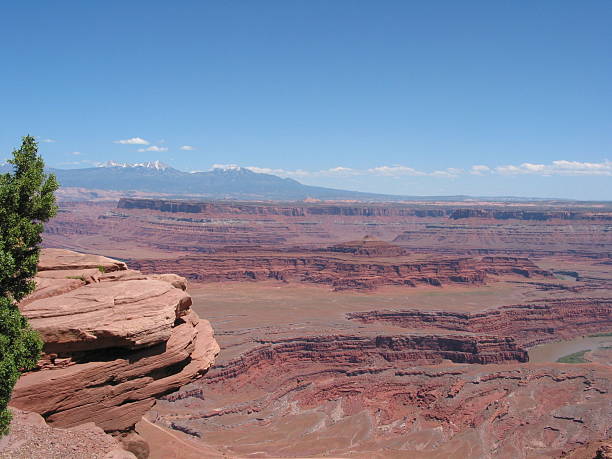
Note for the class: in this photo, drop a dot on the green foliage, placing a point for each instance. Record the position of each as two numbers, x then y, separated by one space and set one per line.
27 200
576 357
102 269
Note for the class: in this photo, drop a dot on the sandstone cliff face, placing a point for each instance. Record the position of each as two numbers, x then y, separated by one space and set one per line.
528 215
114 340
529 324
362 210
368 247
342 272
372 351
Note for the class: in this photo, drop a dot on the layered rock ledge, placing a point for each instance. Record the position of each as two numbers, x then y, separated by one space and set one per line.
529 324
344 351
344 271
115 339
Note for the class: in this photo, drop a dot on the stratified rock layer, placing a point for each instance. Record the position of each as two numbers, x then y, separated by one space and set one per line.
114 340
529 324
373 351
344 272
302 406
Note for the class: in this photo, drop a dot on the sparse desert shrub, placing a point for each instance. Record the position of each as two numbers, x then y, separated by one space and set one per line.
27 200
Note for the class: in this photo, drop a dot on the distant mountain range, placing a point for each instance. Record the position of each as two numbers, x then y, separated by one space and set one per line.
220 183
229 182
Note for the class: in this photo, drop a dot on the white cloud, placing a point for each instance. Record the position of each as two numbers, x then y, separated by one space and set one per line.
579 167
559 167
341 170
48 140
186 148
226 167
84 162
508 170
394 171
533 167
280 172
480 169
75 153
132 141
153 148
338 171
449 172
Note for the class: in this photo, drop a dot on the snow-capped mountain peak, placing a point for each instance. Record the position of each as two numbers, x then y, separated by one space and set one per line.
226 167
157 165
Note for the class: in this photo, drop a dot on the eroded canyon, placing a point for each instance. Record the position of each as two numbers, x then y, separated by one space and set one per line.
365 330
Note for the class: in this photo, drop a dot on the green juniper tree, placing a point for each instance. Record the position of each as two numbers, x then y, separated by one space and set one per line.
27 200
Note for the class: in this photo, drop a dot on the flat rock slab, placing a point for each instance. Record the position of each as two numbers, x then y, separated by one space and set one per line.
126 314
60 259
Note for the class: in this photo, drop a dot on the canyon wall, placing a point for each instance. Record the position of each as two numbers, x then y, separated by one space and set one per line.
362 210
225 226
340 396
340 273
529 324
372 351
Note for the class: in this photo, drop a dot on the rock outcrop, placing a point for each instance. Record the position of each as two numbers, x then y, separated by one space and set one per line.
114 340
529 324
362 210
373 351
32 438
340 271
541 215
368 247
396 409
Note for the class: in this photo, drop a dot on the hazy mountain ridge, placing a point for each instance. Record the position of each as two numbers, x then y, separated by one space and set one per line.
228 182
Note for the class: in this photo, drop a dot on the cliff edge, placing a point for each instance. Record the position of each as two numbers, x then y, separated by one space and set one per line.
115 339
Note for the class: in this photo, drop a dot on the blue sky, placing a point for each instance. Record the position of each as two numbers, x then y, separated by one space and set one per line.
420 98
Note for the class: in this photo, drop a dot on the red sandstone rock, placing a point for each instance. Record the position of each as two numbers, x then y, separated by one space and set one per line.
227 226
341 271
529 324
342 209
375 351
301 405
64 260
369 247
111 346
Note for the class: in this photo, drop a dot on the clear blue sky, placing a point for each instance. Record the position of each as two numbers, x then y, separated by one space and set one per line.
389 96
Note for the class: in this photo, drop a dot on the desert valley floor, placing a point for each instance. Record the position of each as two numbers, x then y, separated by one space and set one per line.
377 330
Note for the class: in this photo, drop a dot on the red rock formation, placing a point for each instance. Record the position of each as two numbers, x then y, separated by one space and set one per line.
373 351
340 272
368 247
114 340
529 324
418 228
343 209
303 407
541 215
